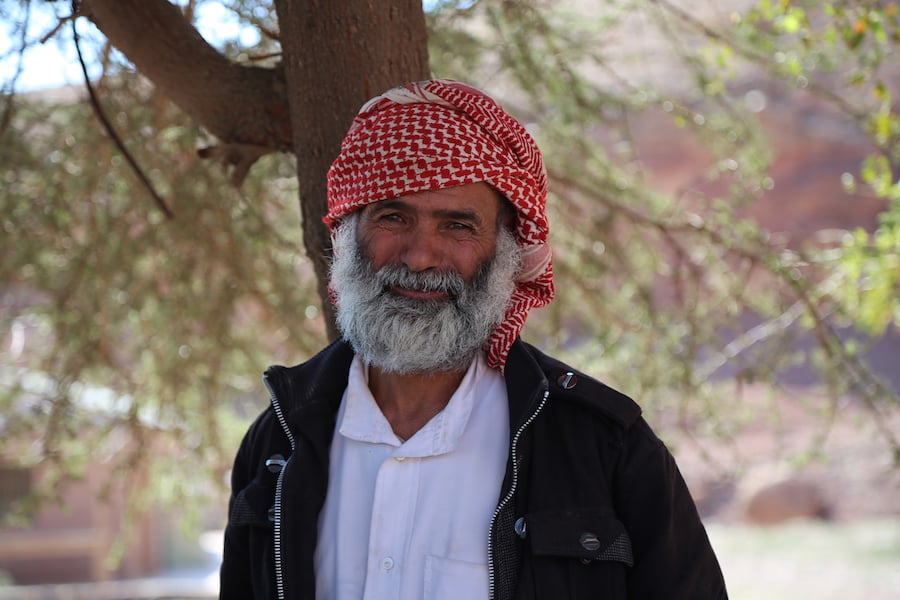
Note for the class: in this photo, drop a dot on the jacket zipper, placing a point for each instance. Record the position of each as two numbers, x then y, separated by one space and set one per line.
512 490
279 571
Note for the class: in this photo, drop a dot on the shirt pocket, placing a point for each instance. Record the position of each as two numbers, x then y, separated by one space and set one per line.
449 579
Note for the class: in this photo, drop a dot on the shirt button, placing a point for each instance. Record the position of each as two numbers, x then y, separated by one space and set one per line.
399 458
387 564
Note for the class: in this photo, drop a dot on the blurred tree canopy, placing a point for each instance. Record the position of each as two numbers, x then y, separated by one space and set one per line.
116 317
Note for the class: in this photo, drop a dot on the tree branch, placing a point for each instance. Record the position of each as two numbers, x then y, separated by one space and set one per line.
111 132
244 106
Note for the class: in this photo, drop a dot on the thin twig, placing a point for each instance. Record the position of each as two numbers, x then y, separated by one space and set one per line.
8 107
710 33
873 392
98 110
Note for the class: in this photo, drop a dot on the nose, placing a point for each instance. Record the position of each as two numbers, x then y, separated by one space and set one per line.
422 250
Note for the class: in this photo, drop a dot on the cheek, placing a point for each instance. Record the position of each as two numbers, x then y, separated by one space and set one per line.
468 260
379 248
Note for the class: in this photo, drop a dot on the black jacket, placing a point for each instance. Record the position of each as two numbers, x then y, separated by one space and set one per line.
592 505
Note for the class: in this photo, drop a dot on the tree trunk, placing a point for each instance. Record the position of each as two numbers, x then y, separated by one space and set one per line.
337 55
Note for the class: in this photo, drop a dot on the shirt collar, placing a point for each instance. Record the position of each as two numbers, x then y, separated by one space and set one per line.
362 420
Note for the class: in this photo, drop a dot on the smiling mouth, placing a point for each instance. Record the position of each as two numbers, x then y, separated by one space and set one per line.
414 294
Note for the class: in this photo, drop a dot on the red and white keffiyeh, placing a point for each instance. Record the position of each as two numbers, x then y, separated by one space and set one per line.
442 133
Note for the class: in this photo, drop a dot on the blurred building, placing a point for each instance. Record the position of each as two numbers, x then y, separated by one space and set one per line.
76 541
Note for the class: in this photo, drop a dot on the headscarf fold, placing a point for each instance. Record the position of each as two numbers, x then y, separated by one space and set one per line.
442 133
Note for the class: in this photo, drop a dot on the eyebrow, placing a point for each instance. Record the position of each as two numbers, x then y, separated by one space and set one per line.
397 204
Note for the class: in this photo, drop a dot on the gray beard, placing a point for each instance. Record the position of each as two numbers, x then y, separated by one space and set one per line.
406 336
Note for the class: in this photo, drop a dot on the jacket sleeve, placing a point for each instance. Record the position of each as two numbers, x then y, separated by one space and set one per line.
673 558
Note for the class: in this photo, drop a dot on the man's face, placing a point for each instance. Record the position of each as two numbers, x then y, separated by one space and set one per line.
453 230
422 280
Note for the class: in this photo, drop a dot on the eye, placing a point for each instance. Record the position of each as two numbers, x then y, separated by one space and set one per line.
460 226
390 217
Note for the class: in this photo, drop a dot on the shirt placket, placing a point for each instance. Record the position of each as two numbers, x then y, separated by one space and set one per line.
393 516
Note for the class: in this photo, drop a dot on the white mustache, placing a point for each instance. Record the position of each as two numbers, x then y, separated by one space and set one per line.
400 276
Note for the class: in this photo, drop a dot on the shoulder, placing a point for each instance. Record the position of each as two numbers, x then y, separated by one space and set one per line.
570 385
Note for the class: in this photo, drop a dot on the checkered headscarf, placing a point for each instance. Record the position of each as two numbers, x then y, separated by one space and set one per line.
442 133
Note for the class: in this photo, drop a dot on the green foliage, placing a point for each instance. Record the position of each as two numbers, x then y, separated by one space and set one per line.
161 327
664 292
870 268
854 42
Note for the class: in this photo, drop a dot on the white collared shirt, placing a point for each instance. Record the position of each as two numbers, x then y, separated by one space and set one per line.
409 520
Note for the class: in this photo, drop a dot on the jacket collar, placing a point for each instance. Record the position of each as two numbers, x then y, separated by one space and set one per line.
313 387
316 386
571 385
525 383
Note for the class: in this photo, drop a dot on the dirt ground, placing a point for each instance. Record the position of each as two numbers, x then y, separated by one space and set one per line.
857 560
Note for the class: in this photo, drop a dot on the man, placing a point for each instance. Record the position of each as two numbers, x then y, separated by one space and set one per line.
431 453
